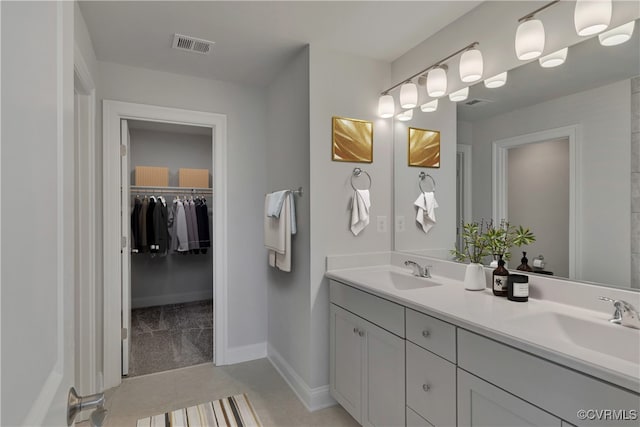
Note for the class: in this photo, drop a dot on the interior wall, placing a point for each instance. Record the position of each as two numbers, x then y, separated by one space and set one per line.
441 238
603 115
538 198
635 182
245 108
84 44
174 278
288 303
347 86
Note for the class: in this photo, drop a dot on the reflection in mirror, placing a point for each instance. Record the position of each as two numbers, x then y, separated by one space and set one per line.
549 150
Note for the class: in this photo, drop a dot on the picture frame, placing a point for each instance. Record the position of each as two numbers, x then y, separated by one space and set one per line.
423 148
351 140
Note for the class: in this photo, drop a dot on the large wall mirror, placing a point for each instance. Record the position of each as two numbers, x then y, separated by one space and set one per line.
549 150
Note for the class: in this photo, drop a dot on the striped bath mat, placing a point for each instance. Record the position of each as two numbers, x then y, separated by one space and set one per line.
234 411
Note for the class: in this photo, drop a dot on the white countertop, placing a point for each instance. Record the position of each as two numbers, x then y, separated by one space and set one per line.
499 319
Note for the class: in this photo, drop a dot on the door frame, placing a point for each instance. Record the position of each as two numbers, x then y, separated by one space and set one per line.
499 183
467 183
113 112
87 381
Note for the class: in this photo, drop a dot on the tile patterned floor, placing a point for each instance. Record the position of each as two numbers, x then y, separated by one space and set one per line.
274 402
170 337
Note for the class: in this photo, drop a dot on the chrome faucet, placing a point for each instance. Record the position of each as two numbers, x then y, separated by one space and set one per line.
625 314
418 270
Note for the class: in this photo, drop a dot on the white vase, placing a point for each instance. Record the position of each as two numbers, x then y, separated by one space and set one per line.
474 278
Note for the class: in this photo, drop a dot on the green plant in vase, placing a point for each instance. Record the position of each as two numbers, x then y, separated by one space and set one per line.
475 246
502 238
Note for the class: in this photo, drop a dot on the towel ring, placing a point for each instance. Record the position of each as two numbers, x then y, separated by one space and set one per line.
356 173
421 178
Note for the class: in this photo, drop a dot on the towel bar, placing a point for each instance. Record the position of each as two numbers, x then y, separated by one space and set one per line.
421 177
356 173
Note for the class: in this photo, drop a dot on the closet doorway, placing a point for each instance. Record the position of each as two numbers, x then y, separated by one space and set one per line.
164 303
171 263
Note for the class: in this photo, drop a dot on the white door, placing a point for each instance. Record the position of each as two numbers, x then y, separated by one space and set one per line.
37 212
346 355
125 224
384 375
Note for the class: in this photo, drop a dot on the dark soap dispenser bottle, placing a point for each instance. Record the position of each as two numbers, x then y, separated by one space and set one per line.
500 276
524 266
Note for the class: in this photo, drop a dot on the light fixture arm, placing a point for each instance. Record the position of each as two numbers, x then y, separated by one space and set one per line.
540 9
435 65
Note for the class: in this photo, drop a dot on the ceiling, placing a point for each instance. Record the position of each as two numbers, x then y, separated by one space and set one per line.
254 40
588 65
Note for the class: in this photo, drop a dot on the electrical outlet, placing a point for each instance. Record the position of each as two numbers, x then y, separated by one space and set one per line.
400 223
382 224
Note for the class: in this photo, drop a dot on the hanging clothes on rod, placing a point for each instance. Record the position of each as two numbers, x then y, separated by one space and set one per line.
202 215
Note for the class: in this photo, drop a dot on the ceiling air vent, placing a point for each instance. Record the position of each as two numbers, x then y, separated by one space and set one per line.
192 44
477 102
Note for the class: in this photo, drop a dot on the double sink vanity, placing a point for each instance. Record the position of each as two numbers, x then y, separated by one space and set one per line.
416 351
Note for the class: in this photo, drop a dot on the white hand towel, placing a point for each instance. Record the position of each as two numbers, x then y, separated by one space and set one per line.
282 261
360 211
275 201
426 216
274 230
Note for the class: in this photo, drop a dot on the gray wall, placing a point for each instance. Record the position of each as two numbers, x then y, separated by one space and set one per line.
158 280
635 182
538 198
288 167
348 86
245 108
603 115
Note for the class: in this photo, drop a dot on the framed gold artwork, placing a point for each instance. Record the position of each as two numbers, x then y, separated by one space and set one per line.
424 148
352 140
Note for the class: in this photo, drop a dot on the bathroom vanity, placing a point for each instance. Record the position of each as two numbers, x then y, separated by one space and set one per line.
417 351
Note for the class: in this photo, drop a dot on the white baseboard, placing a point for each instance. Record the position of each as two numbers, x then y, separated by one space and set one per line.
312 398
245 353
171 298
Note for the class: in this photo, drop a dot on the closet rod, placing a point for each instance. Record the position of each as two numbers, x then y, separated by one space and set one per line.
170 190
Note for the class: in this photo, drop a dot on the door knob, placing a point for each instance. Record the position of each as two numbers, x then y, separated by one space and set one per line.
77 404
426 387
426 333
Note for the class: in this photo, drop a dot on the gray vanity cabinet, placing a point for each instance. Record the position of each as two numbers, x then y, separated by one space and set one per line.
481 404
366 362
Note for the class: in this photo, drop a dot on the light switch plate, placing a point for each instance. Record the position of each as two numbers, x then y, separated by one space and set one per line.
400 225
382 224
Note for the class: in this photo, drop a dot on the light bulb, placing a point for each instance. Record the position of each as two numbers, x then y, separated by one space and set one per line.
617 35
408 95
437 82
529 39
459 95
429 107
554 59
405 116
592 16
386 106
496 81
471 66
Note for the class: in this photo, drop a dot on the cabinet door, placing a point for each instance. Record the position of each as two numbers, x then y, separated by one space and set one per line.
482 404
383 399
346 355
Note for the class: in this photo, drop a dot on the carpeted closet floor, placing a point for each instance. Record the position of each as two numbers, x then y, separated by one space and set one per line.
171 336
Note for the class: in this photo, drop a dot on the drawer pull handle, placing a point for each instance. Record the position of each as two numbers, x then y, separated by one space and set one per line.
361 333
426 387
426 333
355 330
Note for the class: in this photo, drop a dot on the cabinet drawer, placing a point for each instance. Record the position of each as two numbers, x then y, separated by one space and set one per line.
431 386
386 314
554 388
433 334
415 420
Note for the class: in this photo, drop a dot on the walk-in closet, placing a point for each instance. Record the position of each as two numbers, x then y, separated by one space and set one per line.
171 259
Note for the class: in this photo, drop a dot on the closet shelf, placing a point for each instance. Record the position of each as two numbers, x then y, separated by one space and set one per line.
169 190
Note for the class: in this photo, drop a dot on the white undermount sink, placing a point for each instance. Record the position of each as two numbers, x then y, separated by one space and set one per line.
397 280
595 335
